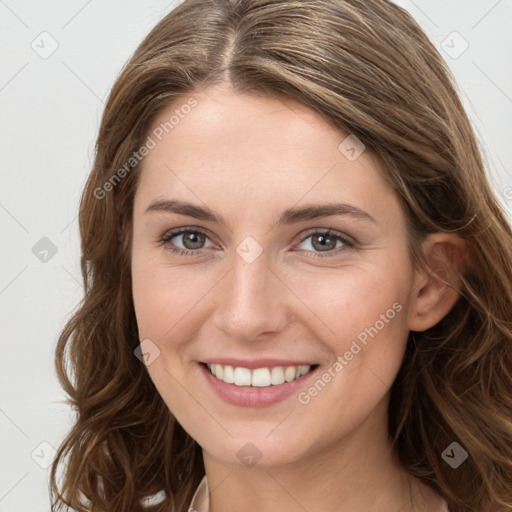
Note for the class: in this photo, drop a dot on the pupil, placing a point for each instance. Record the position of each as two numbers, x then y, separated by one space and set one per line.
193 239
323 242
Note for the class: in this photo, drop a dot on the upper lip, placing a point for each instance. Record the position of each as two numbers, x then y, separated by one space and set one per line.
251 364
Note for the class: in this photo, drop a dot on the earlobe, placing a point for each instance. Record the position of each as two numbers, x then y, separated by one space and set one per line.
436 288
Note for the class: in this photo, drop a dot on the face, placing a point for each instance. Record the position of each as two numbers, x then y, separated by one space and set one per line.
252 276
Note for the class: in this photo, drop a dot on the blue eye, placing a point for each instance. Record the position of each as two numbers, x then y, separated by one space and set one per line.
322 241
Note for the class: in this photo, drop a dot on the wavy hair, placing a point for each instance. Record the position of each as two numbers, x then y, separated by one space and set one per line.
368 69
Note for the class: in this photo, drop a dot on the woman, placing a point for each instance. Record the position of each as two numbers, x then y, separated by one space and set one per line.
297 279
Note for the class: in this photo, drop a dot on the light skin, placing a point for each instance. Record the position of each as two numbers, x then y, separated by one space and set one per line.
249 158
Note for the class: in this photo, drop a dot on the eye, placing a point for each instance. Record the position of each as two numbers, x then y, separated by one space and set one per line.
191 239
321 241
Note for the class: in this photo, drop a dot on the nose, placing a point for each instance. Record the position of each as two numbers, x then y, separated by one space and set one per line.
253 302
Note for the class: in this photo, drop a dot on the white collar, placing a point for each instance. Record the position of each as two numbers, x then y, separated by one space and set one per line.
201 499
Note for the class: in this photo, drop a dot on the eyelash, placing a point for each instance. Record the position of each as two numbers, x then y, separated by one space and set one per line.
347 243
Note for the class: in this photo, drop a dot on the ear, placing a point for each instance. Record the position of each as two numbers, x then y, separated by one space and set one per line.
435 289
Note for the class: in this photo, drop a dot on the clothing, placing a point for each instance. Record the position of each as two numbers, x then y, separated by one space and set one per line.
201 499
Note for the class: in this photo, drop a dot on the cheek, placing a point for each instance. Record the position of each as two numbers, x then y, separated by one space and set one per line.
365 310
163 295
367 336
356 301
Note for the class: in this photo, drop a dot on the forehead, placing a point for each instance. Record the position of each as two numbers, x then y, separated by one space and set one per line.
222 123
216 145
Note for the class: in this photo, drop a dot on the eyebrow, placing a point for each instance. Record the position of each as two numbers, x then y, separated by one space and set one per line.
289 216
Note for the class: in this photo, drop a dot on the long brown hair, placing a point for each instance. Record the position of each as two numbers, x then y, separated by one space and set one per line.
368 68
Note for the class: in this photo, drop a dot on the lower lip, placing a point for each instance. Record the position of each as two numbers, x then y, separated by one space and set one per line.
249 396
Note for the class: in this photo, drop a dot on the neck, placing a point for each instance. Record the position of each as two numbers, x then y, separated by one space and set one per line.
359 472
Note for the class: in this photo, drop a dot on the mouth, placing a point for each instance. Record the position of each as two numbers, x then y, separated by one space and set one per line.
263 377
256 383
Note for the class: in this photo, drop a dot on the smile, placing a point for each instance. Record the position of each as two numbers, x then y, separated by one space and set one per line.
256 383
257 377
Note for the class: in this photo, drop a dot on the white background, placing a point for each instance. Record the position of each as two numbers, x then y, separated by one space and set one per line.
50 110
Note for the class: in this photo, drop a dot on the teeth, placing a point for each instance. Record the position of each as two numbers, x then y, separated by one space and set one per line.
289 373
242 377
229 374
259 377
277 376
219 371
